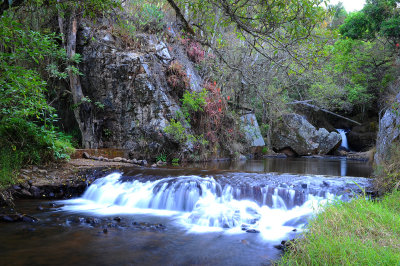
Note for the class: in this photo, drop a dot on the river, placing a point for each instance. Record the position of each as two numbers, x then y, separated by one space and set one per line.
225 213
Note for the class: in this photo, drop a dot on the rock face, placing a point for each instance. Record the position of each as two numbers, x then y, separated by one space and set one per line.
363 137
389 132
296 133
252 130
131 100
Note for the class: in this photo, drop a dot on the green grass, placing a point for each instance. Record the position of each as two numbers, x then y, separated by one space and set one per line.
360 232
23 142
10 163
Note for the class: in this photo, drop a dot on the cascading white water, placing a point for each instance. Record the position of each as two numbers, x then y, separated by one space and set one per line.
342 133
200 204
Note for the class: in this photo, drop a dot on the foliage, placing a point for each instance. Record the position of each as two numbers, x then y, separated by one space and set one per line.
194 50
161 157
176 130
193 102
377 18
143 15
259 25
360 232
179 134
10 163
339 15
356 26
264 150
24 142
125 29
151 18
175 161
177 78
27 134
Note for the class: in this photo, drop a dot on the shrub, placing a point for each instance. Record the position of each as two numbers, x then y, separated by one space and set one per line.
194 50
24 142
177 78
26 132
150 18
175 161
161 157
176 130
193 102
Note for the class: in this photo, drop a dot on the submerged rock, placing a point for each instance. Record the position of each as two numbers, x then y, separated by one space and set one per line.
252 231
16 217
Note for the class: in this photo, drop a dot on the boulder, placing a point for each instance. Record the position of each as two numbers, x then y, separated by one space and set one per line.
296 133
252 130
389 132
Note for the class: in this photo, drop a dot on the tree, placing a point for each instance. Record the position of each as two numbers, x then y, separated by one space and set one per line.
378 18
72 11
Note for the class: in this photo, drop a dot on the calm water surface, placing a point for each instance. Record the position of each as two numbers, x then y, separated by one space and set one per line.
308 166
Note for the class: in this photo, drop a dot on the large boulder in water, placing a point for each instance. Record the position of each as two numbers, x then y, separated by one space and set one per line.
295 132
389 132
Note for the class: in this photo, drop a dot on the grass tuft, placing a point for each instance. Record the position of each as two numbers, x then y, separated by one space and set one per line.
362 232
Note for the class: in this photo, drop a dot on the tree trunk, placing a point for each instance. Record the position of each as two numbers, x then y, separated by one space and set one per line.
181 17
83 108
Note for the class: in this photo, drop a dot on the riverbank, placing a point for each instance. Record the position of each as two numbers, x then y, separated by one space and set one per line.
360 232
57 180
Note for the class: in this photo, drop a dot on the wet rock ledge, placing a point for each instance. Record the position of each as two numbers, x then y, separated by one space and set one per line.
58 181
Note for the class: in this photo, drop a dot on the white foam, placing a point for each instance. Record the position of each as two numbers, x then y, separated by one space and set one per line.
198 204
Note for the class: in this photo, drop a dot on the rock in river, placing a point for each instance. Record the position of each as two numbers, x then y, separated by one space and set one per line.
296 133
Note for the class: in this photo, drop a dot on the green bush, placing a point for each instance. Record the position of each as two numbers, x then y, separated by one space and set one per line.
161 157
145 16
27 134
179 134
151 18
193 102
176 130
175 161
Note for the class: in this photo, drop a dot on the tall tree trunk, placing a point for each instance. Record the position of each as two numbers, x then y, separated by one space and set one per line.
83 111
181 17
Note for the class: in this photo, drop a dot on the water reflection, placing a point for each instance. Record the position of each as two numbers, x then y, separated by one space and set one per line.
314 166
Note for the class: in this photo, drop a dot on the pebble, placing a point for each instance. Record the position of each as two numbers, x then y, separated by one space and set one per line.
86 155
42 171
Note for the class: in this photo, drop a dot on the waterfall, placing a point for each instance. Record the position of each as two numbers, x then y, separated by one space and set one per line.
342 133
201 204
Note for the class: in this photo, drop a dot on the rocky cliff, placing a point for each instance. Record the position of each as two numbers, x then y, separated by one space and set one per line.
389 132
127 87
